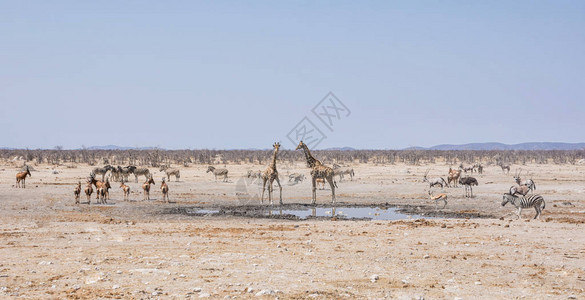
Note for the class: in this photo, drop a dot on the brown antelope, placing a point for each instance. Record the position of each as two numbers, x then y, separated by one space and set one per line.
146 188
77 192
320 181
21 176
439 197
165 190
88 191
453 176
126 190
101 193
97 183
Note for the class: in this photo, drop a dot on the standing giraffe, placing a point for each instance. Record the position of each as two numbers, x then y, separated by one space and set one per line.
270 175
318 170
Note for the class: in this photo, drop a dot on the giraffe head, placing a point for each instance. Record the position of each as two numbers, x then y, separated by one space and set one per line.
276 146
301 145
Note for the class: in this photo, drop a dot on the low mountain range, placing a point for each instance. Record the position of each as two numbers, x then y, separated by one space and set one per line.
500 146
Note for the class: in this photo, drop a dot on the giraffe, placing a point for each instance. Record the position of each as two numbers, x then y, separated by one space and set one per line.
270 175
318 170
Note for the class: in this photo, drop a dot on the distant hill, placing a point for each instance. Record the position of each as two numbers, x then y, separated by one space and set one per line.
114 147
341 149
500 146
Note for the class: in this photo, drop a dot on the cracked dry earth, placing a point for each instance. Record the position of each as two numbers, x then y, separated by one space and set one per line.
51 248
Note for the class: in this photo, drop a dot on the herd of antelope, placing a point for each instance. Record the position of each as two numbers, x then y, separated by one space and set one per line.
517 194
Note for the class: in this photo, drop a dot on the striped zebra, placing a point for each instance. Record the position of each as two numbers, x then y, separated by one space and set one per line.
139 172
520 202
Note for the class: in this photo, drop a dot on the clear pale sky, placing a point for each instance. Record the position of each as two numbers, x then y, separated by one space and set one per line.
224 74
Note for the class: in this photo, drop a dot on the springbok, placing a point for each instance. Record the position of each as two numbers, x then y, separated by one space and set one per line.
126 190
434 181
439 197
320 181
146 188
218 172
21 176
77 192
169 172
164 188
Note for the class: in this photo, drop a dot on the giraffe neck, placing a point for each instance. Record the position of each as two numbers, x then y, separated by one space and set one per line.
311 161
274 159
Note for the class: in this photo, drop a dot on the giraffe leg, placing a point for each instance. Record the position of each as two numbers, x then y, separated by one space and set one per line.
263 188
314 190
280 187
270 190
331 183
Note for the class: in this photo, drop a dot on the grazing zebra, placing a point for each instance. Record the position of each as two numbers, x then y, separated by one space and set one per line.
466 169
254 174
169 172
534 200
139 172
348 171
102 171
218 172
296 177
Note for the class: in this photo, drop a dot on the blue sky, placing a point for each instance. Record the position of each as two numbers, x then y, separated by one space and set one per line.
187 74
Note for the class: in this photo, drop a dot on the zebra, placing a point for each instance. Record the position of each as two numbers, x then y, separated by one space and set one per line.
139 172
169 172
220 172
348 171
125 172
102 171
296 177
534 200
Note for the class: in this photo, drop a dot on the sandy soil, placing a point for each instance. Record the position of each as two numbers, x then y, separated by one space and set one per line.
52 248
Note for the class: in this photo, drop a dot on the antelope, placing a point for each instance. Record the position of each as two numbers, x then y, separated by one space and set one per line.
504 167
101 193
519 189
77 192
453 176
169 172
529 182
466 169
88 191
165 190
434 181
126 190
146 188
218 172
98 184
439 197
21 176
468 182
479 168
320 181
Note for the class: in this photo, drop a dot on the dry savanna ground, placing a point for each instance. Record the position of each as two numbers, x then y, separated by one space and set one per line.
52 248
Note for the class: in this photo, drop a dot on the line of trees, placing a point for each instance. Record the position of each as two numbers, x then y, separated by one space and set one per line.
157 157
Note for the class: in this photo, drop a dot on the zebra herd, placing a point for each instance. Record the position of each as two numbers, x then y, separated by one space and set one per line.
517 194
